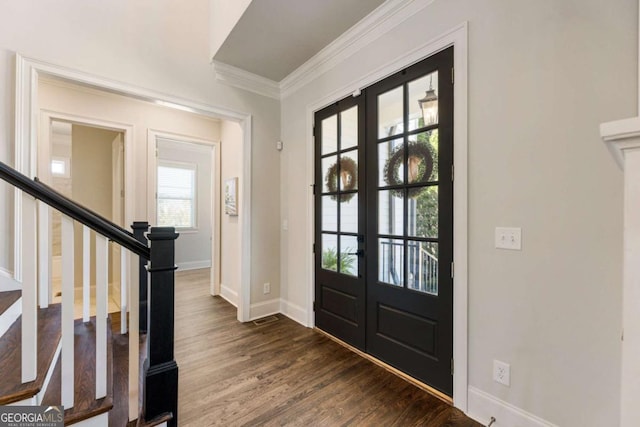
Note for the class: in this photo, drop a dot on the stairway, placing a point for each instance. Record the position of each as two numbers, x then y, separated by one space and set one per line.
12 391
46 389
83 364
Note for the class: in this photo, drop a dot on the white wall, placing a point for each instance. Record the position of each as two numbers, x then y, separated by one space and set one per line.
92 178
231 147
161 45
542 77
92 104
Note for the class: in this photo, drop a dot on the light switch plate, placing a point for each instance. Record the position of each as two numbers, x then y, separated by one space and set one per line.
509 238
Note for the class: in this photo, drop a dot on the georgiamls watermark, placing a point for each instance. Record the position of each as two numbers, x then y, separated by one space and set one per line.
31 416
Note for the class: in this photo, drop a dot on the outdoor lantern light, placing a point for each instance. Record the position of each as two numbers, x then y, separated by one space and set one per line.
429 106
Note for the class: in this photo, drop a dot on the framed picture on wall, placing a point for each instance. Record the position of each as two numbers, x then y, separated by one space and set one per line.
231 196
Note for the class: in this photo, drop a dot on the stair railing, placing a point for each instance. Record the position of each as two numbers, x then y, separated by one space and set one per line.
157 258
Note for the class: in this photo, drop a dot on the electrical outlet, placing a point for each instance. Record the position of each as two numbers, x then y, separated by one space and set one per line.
501 372
267 288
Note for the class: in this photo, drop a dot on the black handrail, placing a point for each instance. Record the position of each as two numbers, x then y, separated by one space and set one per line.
76 211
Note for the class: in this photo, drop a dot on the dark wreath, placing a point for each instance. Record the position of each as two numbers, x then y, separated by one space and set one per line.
420 167
348 176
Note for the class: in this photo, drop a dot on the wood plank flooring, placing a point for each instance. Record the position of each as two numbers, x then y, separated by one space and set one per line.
284 374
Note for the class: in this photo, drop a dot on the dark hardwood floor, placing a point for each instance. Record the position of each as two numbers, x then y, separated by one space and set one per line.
281 373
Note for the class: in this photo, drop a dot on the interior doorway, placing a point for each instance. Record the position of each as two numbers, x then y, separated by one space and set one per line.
184 182
86 164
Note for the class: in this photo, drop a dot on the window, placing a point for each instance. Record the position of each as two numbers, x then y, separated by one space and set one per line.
176 196
60 167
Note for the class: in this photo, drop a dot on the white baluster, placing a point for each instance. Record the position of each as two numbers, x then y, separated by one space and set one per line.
68 294
44 255
86 273
102 282
124 290
29 290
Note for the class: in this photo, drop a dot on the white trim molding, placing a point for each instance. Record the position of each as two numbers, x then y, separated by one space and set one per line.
194 265
483 406
152 165
623 140
265 308
458 38
293 311
620 136
242 79
230 295
379 22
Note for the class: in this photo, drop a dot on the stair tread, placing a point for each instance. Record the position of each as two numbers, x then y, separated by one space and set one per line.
85 404
162 418
7 299
11 387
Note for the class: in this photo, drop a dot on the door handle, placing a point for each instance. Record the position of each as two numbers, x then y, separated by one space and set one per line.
359 252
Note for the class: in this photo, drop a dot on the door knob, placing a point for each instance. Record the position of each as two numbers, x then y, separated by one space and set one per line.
359 252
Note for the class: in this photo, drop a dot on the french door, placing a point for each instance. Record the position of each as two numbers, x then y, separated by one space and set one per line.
384 220
340 221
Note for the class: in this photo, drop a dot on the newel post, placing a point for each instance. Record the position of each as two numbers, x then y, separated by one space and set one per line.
139 230
160 369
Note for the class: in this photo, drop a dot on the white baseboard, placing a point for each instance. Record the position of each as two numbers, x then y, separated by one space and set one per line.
229 295
294 312
482 406
7 283
193 265
265 308
9 316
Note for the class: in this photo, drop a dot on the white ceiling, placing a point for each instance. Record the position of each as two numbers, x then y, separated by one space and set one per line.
275 37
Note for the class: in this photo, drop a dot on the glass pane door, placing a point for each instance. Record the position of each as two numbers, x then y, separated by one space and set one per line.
339 184
409 125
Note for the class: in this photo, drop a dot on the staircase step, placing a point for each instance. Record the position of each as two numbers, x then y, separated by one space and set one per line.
8 298
11 388
162 418
10 309
85 404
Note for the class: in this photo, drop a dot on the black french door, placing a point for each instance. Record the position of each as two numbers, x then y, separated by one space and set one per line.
384 219
340 221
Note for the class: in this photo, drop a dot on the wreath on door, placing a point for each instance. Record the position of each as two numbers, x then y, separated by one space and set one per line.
419 167
348 175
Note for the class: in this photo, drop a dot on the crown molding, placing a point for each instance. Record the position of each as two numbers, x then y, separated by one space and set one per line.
380 21
236 77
